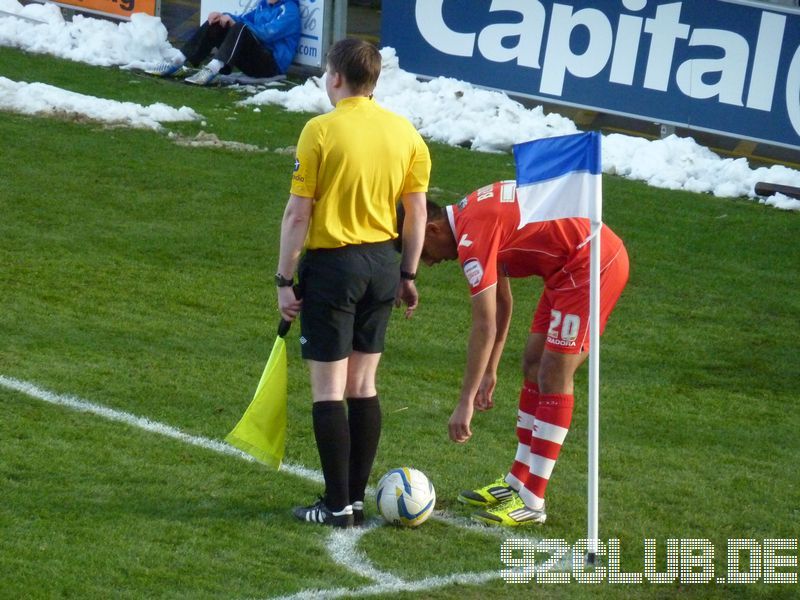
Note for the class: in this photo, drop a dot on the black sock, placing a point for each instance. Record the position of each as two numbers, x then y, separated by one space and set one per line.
332 433
364 415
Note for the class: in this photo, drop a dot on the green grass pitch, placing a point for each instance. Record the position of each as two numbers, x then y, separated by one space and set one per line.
136 274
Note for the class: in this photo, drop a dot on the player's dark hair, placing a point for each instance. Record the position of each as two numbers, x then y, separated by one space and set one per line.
435 213
358 61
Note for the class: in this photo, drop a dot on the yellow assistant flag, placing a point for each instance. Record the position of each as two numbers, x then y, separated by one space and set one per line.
261 432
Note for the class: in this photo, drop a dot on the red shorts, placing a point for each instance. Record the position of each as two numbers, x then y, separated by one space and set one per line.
563 315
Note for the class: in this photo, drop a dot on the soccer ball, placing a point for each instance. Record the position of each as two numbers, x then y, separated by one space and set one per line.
405 497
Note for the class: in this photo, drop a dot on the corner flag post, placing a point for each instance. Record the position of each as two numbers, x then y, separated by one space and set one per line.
594 372
560 178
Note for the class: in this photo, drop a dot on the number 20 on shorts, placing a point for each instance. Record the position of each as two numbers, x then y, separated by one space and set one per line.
563 326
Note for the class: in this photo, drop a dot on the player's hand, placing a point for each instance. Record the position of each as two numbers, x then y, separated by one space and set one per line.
484 399
226 21
288 305
214 17
459 423
407 294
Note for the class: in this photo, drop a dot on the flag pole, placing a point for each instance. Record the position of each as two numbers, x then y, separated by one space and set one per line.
553 161
594 373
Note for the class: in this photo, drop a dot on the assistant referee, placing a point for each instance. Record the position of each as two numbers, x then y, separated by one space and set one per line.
352 166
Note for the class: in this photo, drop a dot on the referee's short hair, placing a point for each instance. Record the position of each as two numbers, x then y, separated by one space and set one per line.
358 61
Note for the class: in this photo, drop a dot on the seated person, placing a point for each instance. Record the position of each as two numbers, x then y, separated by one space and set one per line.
261 43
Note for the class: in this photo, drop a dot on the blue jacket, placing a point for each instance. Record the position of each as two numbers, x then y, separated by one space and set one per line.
277 27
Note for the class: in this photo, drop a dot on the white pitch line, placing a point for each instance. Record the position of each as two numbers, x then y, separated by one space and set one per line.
119 416
420 585
342 546
68 401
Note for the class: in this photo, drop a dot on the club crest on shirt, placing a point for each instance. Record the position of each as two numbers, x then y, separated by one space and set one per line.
473 270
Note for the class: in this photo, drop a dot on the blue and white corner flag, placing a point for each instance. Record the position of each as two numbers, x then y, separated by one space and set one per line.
559 178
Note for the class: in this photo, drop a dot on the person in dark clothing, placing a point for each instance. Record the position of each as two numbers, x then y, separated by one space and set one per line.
260 43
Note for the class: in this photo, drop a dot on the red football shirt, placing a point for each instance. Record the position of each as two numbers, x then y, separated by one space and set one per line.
492 240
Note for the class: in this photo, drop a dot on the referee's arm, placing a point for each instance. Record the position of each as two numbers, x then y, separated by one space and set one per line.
294 228
413 236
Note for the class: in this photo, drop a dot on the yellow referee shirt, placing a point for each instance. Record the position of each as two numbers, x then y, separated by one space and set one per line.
355 162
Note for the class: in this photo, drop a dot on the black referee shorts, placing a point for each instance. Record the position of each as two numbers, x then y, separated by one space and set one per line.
348 295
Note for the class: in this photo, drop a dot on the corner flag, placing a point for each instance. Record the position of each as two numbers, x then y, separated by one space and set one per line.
261 432
558 178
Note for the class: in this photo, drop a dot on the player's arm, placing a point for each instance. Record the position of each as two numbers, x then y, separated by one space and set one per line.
484 399
413 237
294 228
479 349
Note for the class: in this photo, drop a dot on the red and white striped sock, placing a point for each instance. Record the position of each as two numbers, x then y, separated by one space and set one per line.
526 414
553 417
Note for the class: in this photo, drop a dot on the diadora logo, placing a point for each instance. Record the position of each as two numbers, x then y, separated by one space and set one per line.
473 270
296 164
465 241
559 342
462 204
